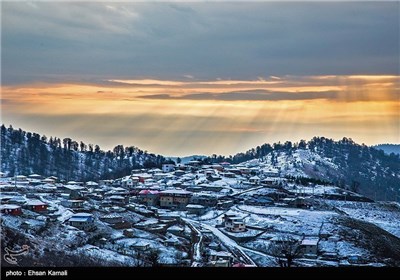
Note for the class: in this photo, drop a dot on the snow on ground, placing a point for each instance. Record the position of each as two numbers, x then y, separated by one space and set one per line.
286 219
105 254
212 214
380 214
346 249
197 246
317 190
229 243
64 213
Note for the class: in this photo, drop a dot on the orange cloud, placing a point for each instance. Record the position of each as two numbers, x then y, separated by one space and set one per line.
177 122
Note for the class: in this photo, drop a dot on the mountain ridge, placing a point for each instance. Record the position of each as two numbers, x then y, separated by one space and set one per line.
344 163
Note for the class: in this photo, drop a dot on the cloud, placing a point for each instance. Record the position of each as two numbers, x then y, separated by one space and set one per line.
254 95
44 40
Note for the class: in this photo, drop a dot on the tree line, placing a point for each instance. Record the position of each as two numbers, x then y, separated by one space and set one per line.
26 153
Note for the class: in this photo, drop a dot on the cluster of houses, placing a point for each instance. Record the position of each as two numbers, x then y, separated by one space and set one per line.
193 188
190 187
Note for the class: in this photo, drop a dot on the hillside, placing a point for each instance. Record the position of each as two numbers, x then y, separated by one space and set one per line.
26 153
389 148
344 163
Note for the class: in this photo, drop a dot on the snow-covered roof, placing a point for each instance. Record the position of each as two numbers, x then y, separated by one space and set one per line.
81 215
35 202
195 206
118 189
175 228
118 197
175 192
74 187
78 219
310 242
222 254
48 180
9 206
144 192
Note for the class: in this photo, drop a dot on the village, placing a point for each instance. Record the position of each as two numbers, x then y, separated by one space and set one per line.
191 214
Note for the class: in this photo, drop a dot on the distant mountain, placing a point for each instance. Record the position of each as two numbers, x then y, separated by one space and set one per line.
26 153
344 163
389 148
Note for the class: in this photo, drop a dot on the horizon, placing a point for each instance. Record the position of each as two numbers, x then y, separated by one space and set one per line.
186 79
201 155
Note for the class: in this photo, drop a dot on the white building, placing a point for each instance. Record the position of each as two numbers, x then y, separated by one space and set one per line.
168 167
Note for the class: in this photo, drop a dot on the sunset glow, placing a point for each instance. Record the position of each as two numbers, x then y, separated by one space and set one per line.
175 112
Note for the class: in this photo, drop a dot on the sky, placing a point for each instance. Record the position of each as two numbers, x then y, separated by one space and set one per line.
184 78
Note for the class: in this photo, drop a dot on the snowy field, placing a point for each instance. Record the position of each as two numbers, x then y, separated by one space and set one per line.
380 214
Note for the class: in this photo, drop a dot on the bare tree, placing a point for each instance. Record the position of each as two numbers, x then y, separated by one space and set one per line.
139 258
154 257
285 251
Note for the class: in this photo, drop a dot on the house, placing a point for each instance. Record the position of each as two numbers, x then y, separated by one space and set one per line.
83 221
225 204
36 205
228 174
255 180
129 182
168 167
144 177
172 241
309 246
195 209
221 259
74 191
91 184
271 172
149 197
217 167
194 189
209 172
174 198
35 176
211 188
225 164
49 181
207 200
105 182
176 230
130 232
11 209
21 178
194 163
141 245
72 203
267 182
111 218
118 200
234 223
213 178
